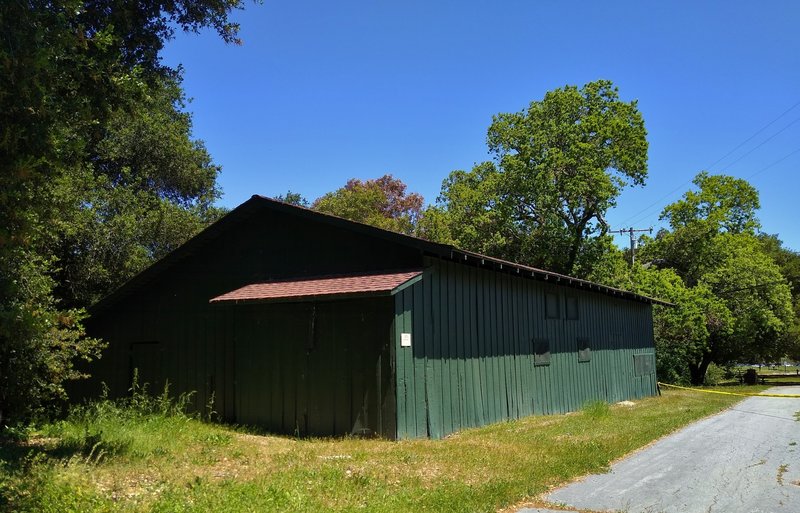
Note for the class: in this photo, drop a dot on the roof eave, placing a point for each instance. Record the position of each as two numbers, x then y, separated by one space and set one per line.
256 203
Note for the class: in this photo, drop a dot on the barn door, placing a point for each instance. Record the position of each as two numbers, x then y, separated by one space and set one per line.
348 377
315 368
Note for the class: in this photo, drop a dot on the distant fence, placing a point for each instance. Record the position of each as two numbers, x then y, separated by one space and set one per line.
795 396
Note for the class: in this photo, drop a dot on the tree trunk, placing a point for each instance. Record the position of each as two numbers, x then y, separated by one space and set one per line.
577 239
697 371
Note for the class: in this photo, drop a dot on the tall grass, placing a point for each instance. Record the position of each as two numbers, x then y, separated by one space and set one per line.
137 426
597 409
48 471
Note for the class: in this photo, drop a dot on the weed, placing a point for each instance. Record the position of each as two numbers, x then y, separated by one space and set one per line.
217 439
596 409
781 471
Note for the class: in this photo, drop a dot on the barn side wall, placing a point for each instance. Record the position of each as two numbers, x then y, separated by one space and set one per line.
474 333
168 329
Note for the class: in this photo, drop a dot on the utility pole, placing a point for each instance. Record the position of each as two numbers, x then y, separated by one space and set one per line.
630 231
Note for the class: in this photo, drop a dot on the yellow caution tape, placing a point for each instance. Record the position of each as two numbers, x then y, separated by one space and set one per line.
728 393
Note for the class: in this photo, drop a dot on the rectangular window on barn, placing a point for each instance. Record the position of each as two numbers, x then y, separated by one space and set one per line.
584 350
541 351
551 305
644 364
572 308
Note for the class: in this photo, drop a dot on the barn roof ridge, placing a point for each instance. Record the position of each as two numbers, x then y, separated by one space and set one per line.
466 255
253 205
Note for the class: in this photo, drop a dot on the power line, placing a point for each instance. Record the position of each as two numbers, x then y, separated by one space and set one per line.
682 185
774 163
754 135
765 141
655 203
765 168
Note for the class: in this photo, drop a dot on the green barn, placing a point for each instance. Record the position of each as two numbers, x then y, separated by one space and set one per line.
309 324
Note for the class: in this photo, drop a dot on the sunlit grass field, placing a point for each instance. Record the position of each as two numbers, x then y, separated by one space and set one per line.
148 455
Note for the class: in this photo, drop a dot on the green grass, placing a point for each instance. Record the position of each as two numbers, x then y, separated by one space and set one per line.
766 370
152 457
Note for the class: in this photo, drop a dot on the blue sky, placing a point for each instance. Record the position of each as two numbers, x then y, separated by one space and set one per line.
321 92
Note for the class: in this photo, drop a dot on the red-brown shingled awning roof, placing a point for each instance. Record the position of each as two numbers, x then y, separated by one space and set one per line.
330 287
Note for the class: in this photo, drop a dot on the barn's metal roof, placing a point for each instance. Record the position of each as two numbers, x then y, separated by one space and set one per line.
257 204
329 287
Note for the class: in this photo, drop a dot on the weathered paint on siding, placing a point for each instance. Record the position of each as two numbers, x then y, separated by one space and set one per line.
471 359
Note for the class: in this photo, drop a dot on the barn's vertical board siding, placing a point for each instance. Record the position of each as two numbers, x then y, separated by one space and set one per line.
435 390
474 348
417 328
476 359
433 396
400 367
457 345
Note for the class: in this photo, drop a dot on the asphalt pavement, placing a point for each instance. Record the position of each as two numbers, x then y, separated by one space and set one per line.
743 460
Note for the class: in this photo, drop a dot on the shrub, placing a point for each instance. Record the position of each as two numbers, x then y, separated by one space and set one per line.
714 375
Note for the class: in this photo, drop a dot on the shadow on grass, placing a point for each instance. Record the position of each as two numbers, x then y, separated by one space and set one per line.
17 454
250 429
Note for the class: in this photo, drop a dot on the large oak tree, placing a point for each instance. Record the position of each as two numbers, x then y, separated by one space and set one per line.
559 166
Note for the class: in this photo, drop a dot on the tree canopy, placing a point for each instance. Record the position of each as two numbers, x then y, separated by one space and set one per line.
98 171
381 202
559 166
744 296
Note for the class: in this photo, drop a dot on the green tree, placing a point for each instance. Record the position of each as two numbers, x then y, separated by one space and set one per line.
682 332
713 248
789 263
147 188
753 289
293 198
559 166
382 202
77 82
470 215
722 203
